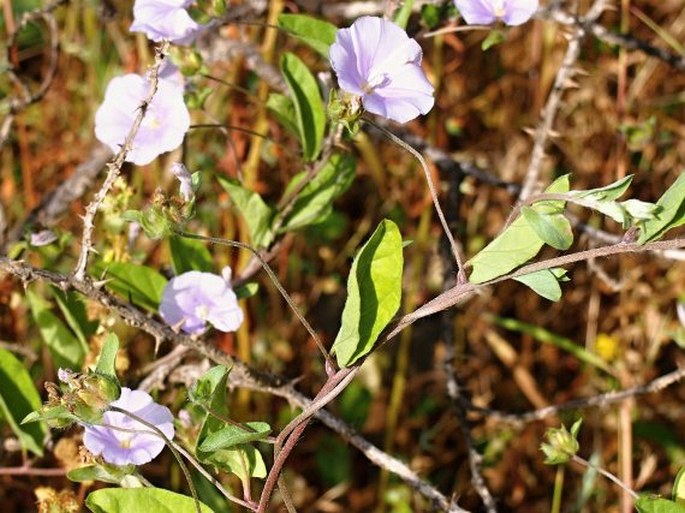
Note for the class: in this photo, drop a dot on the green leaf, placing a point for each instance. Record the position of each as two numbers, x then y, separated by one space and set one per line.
66 350
544 283
610 192
403 13
517 244
647 504
553 229
74 311
105 473
309 107
679 487
671 215
137 283
149 500
282 107
315 201
243 460
189 255
318 34
257 214
548 337
18 399
232 435
374 291
247 290
494 38
108 354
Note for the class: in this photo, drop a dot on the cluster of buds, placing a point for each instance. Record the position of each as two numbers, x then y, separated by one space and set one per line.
81 397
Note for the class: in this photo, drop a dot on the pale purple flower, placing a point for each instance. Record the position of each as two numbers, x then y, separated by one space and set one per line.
486 12
680 310
135 443
376 60
43 238
193 299
186 179
165 123
165 19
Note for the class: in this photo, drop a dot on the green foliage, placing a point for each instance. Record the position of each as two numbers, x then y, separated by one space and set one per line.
106 473
671 214
74 311
108 355
232 435
403 13
518 243
333 461
139 284
374 291
494 38
318 34
149 500
242 459
66 349
257 214
679 487
189 255
309 108
19 398
554 230
545 282
649 504
547 337
283 108
315 201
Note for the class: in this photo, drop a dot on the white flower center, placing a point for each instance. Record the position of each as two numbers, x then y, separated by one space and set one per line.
151 121
125 443
202 312
374 82
498 7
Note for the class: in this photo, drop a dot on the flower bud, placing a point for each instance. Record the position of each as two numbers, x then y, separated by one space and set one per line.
561 444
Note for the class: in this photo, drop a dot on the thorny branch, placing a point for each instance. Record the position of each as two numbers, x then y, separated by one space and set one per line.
561 82
114 167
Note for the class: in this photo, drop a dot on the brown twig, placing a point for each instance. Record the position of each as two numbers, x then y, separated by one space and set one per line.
114 167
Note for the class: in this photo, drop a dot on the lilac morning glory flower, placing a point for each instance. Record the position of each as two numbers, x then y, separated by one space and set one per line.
164 125
43 238
165 19
376 60
186 179
486 12
135 443
193 299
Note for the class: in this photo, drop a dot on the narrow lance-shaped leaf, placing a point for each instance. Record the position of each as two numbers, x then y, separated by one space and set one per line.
374 291
309 107
315 201
257 214
670 215
65 348
18 399
108 354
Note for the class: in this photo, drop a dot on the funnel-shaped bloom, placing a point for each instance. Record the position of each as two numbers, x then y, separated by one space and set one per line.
485 12
134 443
376 60
165 19
165 123
193 299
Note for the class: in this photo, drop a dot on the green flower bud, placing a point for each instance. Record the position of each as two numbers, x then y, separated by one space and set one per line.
561 444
